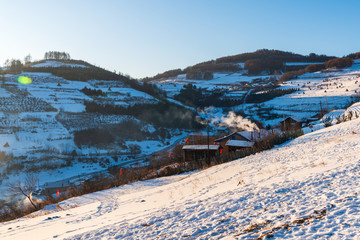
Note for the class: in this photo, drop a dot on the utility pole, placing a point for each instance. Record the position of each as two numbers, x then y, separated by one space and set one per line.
208 142
321 110
327 107
284 123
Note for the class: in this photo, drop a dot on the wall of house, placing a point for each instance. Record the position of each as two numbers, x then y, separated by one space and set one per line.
223 142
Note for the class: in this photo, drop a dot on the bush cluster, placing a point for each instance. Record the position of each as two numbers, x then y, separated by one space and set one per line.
333 63
314 68
92 92
339 63
127 130
200 97
268 95
161 114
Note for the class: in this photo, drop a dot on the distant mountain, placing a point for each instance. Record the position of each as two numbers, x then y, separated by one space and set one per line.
255 62
274 55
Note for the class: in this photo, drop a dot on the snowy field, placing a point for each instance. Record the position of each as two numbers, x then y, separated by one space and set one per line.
332 89
305 189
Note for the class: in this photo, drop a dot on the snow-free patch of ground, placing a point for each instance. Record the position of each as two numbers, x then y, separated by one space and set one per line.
305 189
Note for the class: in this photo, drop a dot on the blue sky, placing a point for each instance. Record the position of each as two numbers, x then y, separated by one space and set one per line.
145 37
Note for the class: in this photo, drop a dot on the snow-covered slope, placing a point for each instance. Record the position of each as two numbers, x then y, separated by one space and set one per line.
57 64
305 189
38 122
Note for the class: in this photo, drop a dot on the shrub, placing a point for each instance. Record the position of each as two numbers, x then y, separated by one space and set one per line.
92 92
339 63
291 75
314 68
134 149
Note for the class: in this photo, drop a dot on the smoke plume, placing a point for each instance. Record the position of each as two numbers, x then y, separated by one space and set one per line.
216 118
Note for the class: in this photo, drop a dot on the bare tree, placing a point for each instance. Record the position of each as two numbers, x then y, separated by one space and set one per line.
28 59
25 188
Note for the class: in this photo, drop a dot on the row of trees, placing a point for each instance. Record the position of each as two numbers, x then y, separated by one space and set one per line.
55 55
13 65
354 55
256 66
16 65
199 75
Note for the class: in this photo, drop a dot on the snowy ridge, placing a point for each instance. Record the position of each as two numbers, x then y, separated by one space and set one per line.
305 189
55 64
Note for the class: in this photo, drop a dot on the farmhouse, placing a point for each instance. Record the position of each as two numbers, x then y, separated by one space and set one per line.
233 145
290 124
234 141
197 152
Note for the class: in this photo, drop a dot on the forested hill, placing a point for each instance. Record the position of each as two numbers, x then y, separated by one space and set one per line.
78 70
274 55
264 59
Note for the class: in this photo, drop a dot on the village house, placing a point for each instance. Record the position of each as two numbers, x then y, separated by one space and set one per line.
290 124
233 141
197 152
240 140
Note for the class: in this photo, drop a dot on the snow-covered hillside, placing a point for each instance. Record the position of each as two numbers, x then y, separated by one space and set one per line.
332 89
305 189
38 122
329 89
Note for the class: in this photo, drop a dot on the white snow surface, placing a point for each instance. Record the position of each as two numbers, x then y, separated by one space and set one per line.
305 189
55 64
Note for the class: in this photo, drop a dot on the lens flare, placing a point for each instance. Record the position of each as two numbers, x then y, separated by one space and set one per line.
24 80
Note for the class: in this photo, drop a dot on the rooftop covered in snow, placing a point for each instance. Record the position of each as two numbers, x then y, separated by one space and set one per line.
239 143
201 147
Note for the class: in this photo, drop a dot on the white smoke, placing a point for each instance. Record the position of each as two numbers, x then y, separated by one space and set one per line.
215 117
238 122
